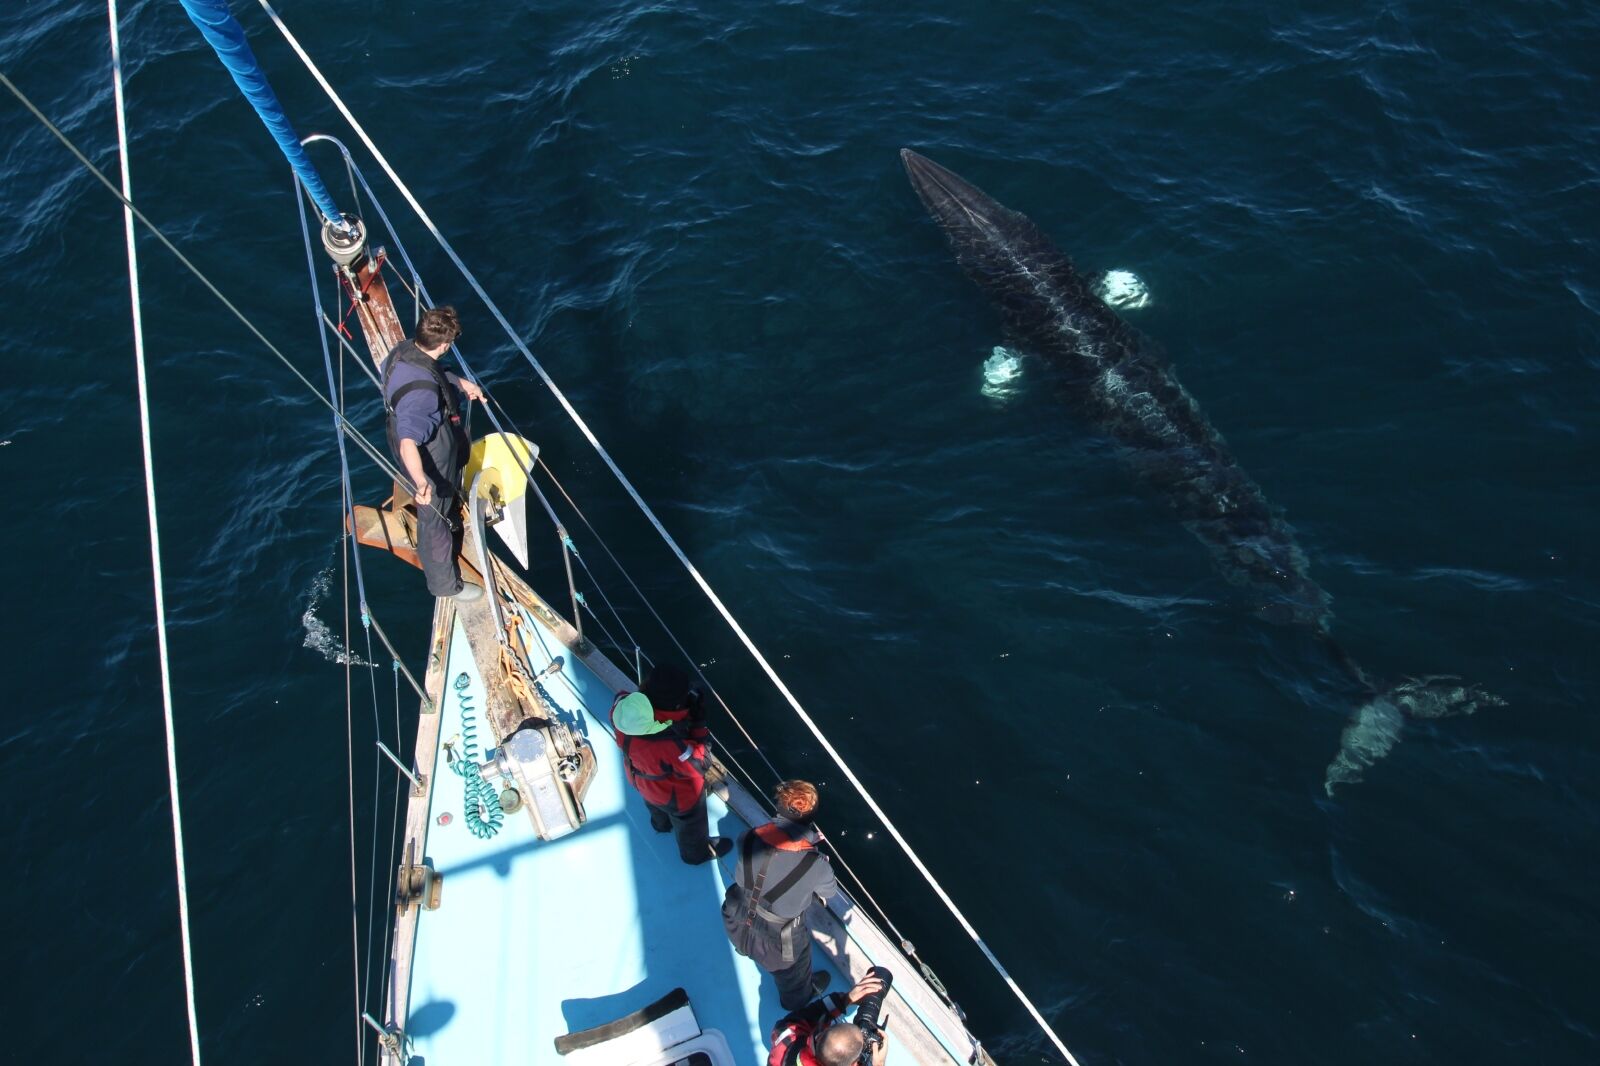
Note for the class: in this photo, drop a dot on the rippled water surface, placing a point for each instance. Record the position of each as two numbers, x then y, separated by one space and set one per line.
1369 242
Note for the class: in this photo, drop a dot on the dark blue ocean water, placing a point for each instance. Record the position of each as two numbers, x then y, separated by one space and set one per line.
1370 235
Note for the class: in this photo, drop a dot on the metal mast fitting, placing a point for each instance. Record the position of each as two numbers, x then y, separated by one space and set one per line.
345 242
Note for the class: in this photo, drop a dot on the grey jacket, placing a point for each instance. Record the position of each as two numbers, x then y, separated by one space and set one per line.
784 896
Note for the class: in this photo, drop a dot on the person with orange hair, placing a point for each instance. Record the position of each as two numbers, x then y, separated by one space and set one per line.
779 873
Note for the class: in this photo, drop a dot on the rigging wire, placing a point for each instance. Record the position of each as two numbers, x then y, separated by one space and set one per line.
425 299
336 393
345 428
672 544
344 424
131 212
373 910
350 783
346 349
155 531
627 485
396 818
348 506
611 640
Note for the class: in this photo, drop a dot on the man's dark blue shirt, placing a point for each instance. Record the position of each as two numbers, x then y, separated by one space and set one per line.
419 414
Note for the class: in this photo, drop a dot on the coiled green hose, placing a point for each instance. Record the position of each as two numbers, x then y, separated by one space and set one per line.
480 801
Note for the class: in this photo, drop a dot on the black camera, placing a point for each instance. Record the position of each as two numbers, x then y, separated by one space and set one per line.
867 1012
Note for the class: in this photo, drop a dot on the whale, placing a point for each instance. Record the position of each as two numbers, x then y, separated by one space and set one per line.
1119 384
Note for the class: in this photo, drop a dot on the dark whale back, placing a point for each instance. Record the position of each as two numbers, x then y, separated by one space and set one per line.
1120 383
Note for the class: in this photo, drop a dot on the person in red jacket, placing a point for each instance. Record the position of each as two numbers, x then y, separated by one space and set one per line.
814 1035
662 732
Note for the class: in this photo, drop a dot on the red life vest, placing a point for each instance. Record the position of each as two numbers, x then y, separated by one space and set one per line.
773 837
791 1043
799 1045
666 769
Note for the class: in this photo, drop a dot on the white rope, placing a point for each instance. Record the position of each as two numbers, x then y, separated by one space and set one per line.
155 535
666 537
349 428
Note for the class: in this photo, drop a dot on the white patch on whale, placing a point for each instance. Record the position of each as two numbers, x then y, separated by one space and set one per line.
1123 290
1369 735
1002 374
1375 726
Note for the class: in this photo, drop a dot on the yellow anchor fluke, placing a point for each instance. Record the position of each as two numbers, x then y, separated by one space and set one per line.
502 460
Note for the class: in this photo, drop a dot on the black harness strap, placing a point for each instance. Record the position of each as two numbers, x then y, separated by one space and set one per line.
408 388
408 353
801 868
758 894
746 860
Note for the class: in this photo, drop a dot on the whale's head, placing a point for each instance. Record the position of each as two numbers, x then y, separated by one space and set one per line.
966 213
1004 252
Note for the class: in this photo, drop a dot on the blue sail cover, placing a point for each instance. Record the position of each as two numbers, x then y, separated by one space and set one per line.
223 32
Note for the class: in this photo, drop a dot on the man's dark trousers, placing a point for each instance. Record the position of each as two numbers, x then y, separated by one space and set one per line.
689 827
794 980
439 540
439 534
766 950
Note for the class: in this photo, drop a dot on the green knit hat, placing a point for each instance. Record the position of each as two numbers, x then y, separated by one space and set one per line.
635 716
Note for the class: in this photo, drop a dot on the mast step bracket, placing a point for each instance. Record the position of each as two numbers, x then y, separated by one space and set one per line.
418 883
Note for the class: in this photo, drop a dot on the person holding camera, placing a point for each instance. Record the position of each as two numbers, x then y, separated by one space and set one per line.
662 732
814 1036
778 874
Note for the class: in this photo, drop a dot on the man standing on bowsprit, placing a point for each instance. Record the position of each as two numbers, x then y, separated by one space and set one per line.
779 872
428 438
662 732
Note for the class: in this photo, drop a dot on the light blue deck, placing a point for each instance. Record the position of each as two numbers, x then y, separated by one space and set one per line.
535 939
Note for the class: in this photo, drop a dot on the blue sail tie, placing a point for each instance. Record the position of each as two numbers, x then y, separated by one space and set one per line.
223 32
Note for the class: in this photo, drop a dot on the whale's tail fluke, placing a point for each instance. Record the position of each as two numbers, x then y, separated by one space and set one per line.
1374 727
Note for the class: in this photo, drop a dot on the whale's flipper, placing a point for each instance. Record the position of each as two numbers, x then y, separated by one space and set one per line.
1122 290
1374 728
1002 373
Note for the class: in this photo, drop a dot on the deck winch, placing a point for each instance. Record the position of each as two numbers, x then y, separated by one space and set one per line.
524 764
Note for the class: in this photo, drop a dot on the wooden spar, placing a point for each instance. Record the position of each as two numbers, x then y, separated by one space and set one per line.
365 288
396 1007
394 530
